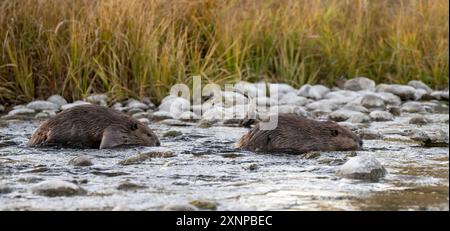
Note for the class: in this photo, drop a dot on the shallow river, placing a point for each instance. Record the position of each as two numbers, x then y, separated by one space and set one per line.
206 167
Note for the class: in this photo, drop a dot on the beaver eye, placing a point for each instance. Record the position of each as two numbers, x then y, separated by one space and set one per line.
334 132
134 126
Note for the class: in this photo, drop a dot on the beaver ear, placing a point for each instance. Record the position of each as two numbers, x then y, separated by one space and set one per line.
134 126
334 132
111 138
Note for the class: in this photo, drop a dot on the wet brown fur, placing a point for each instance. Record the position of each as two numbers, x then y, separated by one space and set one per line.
91 126
297 134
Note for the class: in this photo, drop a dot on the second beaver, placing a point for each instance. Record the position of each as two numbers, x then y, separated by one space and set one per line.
91 126
297 134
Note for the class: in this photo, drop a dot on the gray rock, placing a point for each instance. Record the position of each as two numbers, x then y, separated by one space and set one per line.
325 105
130 186
74 104
381 116
315 92
57 100
394 110
292 99
359 118
355 107
134 110
189 116
284 109
99 99
175 105
179 207
144 120
402 91
372 102
419 120
22 111
389 98
418 135
359 84
140 115
132 103
149 102
440 95
81 161
440 109
364 167
368 134
420 85
174 122
421 94
2 108
41 105
45 114
161 115
55 188
349 116
413 107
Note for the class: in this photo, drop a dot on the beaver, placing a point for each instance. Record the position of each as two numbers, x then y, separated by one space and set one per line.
296 134
92 126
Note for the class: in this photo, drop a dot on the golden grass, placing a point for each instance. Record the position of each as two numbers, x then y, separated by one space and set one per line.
137 48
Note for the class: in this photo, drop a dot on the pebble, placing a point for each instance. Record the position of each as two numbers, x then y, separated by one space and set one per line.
81 161
381 116
55 188
364 167
359 84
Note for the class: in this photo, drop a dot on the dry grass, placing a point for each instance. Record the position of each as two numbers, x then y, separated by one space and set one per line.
137 48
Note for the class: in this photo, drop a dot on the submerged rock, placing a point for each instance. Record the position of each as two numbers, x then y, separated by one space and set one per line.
129 186
364 167
179 207
81 161
204 204
56 188
359 84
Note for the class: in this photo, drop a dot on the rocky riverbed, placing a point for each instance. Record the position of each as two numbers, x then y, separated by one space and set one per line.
404 164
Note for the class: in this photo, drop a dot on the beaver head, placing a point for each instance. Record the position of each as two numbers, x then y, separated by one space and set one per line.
131 133
299 135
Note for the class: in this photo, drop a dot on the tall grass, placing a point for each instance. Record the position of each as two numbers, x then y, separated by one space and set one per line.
138 48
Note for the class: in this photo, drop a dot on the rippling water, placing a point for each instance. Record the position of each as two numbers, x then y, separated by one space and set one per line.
207 167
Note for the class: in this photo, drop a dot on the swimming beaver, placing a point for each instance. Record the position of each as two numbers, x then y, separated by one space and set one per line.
297 134
91 126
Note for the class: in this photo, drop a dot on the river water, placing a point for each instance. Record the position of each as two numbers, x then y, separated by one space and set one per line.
206 167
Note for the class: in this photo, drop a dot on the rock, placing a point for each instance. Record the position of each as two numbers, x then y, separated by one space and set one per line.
265 101
421 94
81 161
413 107
132 103
440 95
359 84
140 115
172 134
57 100
134 110
144 120
389 98
368 134
251 167
311 155
419 120
418 135
394 110
284 109
22 112
402 91
74 104
175 106
45 114
40 105
350 116
292 99
142 157
55 188
175 122
315 92
2 108
233 98
189 116
420 85
161 115
179 207
440 109
129 186
149 102
99 99
355 107
247 88
364 167
372 102
381 116
204 204
325 105
214 114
